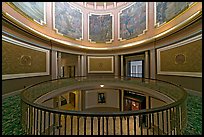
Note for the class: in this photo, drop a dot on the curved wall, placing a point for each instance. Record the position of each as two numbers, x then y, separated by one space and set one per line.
149 43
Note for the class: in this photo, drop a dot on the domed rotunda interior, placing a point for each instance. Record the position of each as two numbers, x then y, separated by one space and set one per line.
102 68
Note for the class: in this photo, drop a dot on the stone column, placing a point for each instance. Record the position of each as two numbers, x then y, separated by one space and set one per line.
79 66
146 64
122 99
116 66
59 64
121 67
54 64
152 64
83 65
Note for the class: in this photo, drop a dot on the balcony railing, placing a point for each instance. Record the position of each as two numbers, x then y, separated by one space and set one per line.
169 119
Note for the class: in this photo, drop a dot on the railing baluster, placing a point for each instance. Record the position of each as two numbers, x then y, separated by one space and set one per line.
37 123
40 122
91 125
59 121
128 128
153 122
147 116
102 125
53 123
121 126
135 122
178 120
34 121
44 121
84 125
170 122
158 122
31 120
173 121
78 117
99 118
150 121
140 120
167 122
71 124
163 121
113 125
107 125
48 123
65 124
28 120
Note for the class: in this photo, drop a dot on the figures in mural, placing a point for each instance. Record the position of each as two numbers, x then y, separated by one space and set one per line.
100 28
166 11
34 10
68 20
133 20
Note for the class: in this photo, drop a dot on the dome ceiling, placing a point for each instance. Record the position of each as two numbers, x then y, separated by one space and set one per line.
102 5
101 25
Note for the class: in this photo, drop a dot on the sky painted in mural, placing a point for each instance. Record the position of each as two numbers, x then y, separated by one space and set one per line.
133 20
34 10
100 28
68 20
166 11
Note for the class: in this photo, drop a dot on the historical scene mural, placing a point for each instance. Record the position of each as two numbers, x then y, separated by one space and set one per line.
34 10
68 20
133 20
166 11
100 28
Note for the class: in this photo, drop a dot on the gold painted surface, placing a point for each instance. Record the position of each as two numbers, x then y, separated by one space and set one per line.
100 64
17 59
191 58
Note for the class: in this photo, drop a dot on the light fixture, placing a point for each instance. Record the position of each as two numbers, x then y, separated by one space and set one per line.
101 86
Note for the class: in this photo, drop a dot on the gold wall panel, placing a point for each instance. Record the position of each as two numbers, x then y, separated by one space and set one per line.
21 60
185 58
100 64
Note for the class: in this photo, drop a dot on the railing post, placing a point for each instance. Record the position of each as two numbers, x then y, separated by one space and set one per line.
65 124
84 125
113 125
40 122
107 125
78 125
128 128
158 123
135 122
91 125
99 125
71 124
121 126
178 120
167 122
